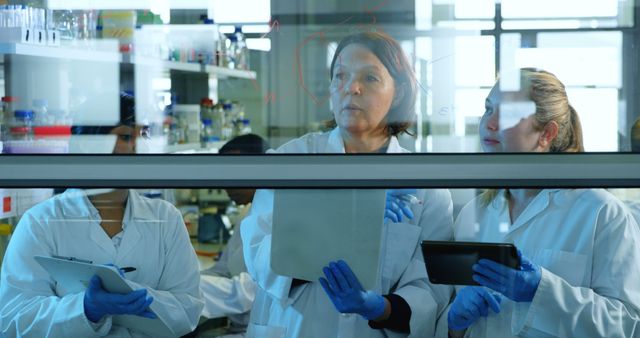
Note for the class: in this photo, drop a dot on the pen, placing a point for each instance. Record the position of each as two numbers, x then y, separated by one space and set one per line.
73 259
128 269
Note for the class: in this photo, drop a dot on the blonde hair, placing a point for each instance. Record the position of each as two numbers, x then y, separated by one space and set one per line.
552 104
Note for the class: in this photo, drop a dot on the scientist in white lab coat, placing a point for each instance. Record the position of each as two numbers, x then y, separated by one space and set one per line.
118 227
227 288
372 97
579 247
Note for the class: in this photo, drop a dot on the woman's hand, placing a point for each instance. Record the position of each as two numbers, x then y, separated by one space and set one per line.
99 303
471 303
399 204
346 293
517 285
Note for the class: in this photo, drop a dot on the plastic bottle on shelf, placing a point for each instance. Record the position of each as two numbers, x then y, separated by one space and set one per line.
206 108
239 50
237 111
217 120
59 117
230 54
21 127
221 50
207 135
246 127
40 111
66 22
227 127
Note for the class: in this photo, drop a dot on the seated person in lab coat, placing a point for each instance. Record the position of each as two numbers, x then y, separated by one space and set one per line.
117 227
373 93
227 288
579 247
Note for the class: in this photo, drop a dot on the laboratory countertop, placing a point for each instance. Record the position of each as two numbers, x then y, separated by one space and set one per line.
207 253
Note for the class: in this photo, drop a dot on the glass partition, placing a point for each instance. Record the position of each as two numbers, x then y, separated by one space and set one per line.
172 77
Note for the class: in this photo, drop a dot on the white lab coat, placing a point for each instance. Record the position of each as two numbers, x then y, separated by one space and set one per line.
155 242
634 208
227 288
306 311
587 245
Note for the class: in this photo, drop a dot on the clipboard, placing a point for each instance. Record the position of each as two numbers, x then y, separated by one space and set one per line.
451 262
74 276
315 226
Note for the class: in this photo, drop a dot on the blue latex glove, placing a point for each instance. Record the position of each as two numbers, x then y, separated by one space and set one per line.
517 285
399 204
346 293
471 303
99 303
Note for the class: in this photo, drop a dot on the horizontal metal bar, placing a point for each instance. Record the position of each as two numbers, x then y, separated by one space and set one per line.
322 170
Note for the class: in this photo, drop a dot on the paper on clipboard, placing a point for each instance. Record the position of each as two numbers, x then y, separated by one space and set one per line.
316 226
74 277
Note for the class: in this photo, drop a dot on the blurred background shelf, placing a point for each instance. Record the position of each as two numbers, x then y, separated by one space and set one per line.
220 72
194 148
79 52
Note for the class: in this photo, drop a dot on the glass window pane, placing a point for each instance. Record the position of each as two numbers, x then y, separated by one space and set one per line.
176 77
559 9
475 9
599 53
474 60
194 235
598 111
250 11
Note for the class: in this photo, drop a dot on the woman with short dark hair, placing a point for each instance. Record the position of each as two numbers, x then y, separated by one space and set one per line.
372 98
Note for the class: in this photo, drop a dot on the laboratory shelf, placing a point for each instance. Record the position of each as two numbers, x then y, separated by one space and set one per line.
193 148
163 64
79 52
234 73
220 72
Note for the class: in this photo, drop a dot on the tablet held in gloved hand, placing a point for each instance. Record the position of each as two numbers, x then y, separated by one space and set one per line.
451 262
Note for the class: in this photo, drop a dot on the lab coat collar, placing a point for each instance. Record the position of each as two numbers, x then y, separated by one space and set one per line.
335 143
77 204
136 209
537 205
139 207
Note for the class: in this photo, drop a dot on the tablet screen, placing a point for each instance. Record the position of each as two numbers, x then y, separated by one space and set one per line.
452 262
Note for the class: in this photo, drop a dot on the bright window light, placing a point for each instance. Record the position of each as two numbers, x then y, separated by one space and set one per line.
475 9
541 24
259 44
468 25
468 103
599 66
423 14
559 9
240 11
474 60
256 28
598 112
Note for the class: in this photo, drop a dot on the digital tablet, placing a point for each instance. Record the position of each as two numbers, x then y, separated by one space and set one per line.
451 262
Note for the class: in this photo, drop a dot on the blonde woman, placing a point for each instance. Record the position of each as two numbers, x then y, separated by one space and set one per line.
578 246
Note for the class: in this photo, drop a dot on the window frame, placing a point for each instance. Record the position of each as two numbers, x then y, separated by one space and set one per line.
529 170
